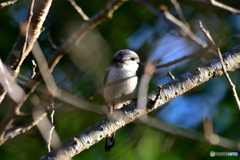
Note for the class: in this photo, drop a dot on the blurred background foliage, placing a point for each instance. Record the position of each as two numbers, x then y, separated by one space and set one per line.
82 70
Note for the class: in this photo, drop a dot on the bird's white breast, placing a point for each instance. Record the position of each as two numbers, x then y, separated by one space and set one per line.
122 91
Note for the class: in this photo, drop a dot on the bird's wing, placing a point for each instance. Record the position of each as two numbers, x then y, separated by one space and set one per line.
106 77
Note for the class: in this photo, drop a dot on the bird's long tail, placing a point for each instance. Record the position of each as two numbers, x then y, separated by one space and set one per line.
110 141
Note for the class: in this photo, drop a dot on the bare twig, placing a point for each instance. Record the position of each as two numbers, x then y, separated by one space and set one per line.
223 66
25 32
174 22
179 11
17 131
196 54
206 32
170 75
225 7
4 4
184 83
33 73
219 5
52 44
79 10
52 128
193 55
229 79
45 126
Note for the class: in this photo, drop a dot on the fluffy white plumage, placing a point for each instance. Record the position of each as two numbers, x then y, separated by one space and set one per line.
122 74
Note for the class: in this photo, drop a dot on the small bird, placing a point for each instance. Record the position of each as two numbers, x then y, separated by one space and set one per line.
121 74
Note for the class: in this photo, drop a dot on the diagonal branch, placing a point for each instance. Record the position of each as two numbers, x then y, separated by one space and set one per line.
105 127
4 4
219 5
16 56
79 10
179 11
174 22
206 32
225 7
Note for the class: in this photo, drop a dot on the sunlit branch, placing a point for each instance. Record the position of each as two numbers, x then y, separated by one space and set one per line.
206 32
179 11
53 127
4 4
219 5
79 10
170 75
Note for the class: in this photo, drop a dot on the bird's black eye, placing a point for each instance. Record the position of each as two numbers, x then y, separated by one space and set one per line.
132 58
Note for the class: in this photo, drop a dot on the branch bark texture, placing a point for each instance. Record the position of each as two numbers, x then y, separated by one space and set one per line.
105 127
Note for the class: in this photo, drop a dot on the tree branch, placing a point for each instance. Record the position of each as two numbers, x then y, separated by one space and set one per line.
4 4
174 22
105 127
225 7
16 57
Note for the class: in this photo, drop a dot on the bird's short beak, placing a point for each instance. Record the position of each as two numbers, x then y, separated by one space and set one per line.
140 63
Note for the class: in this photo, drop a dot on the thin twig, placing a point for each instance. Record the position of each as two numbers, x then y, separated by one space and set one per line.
225 7
4 4
174 22
196 54
170 75
219 5
179 11
21 130
33 73
206 32
52 44
52 128
229 79
25 34
79 10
